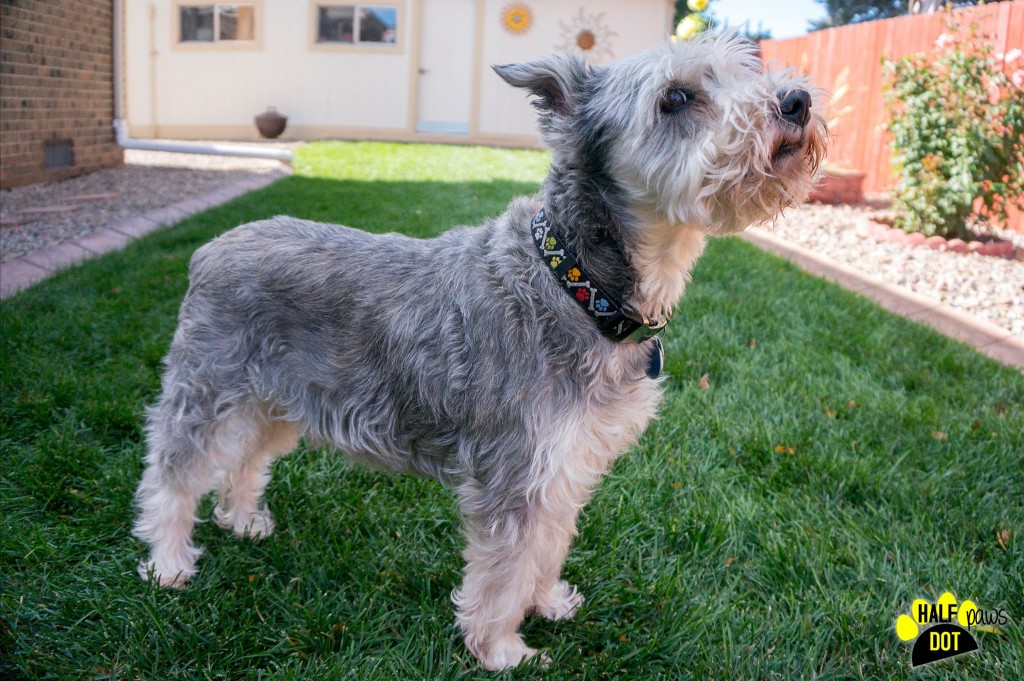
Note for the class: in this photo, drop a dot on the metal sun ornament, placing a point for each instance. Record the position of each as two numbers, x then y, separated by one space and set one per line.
516 18
588 36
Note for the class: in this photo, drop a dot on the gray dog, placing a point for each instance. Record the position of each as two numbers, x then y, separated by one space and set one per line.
512 361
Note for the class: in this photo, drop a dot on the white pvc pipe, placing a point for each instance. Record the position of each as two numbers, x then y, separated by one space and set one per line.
121 126
126 142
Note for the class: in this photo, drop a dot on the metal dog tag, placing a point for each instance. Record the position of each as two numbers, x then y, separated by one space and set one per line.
656 358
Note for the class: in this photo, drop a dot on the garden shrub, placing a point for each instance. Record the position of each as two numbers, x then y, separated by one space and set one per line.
957 120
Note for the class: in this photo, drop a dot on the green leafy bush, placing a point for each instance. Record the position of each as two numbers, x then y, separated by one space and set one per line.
957 120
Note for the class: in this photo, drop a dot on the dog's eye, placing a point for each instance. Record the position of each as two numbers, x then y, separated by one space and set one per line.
674 100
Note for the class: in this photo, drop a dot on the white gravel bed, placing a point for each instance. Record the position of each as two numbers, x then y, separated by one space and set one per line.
148 180
986 287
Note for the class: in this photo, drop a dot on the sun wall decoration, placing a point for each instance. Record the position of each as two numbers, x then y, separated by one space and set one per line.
588 36
516 18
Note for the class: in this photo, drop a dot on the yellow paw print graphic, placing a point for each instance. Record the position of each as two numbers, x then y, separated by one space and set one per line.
907 626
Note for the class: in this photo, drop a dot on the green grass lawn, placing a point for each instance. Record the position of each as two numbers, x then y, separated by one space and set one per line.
843 462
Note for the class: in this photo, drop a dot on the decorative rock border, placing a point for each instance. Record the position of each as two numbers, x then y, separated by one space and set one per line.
37 265
989 339
882 232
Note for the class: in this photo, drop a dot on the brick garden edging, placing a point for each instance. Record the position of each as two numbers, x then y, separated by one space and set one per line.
994 341
37 265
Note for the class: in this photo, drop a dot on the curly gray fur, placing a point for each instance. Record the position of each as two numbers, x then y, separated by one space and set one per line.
460 357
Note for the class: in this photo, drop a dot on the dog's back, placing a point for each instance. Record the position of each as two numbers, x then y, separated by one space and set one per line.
331 324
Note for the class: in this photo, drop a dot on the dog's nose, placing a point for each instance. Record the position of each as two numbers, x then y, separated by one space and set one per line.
795 107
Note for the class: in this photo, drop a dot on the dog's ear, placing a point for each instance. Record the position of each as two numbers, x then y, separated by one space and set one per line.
555 80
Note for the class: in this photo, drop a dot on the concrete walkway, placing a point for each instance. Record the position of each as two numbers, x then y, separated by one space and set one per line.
37 265
994 341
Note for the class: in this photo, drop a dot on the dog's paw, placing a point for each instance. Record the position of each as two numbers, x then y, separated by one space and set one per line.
166 577
561 603
255 525
508 652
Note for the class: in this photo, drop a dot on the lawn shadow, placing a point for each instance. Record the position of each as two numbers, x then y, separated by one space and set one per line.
87 344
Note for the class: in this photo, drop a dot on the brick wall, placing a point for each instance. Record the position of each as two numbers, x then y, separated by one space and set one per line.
56 83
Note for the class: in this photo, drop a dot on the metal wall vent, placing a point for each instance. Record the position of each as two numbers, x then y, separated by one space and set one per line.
58 154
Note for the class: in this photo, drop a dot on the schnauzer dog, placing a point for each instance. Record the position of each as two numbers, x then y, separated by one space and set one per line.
513 361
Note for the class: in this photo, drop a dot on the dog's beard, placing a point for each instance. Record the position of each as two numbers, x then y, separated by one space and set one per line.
747 174
783 169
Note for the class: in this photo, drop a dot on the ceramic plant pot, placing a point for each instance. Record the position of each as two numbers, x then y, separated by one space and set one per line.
839 186
271 123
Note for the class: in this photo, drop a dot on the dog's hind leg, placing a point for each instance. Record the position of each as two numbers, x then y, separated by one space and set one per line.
186 452
240 507
166 517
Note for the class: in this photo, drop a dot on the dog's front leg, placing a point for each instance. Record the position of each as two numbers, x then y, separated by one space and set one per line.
502 562
553 597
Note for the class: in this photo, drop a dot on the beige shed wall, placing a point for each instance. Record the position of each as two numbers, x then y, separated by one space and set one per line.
209 91
638 25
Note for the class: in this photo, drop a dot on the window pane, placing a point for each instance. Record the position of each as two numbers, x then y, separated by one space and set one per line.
377 24
237 22
197 24
335 24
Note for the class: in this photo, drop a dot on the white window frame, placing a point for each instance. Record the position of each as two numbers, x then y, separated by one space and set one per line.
177 42
356 45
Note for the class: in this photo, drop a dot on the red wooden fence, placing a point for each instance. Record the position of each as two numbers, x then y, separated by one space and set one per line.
859 138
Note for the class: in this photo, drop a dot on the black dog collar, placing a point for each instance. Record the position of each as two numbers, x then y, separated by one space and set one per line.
611 319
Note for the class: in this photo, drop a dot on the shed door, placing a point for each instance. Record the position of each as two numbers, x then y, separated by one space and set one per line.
446 66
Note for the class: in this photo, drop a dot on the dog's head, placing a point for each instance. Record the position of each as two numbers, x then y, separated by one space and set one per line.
696 133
